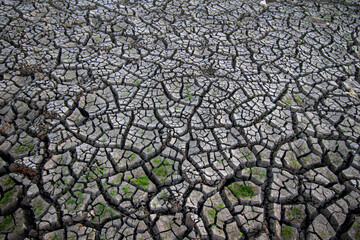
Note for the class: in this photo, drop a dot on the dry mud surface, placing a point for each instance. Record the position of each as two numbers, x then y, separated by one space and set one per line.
179 119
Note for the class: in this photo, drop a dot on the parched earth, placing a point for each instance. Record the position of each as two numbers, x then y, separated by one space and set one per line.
192 119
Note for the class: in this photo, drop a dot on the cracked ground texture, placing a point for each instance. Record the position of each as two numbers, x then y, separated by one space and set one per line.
218 119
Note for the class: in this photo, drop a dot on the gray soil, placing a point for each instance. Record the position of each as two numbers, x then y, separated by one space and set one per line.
192 119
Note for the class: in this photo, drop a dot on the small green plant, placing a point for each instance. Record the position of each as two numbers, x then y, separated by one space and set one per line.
141 181
248 170
102 236
38 208
112 192
59 184
24 148
9 182
161 171
347 36
111 212
297 98
71 201
357 231
295 213
247 155
157 161
79 196
293 163
323 234
287 101
287 232
89 175
170 224
118 179
126 190
242 190
163 195
5 222
212 213
306 160
260 172
100 208
100 170
56 237
220 205
303 148
8 197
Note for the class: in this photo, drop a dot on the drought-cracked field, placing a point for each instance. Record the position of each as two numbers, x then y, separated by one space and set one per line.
188 119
